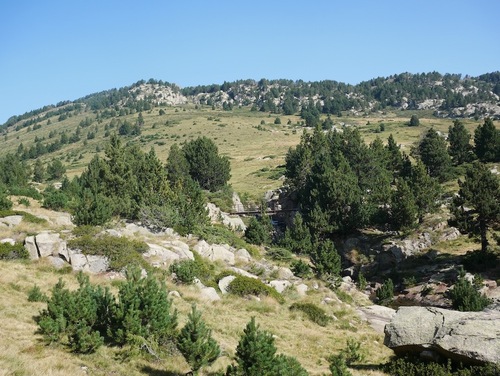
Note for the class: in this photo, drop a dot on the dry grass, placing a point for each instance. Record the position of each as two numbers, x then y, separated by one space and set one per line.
23 353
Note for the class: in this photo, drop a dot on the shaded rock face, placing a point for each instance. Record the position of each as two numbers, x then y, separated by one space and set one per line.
467 337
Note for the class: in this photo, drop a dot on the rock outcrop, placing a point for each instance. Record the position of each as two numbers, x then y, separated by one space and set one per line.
467 337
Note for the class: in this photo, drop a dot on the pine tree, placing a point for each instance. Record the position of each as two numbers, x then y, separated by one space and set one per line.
414 121
425 189
255 353
460 149
477 206
206 167
38 171
143 310
177 165
325 258
434 154
196 344
466 297
395 157
403 211
297 238
487 142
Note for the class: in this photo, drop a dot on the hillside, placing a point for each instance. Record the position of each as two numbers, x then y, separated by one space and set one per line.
234 113
381 192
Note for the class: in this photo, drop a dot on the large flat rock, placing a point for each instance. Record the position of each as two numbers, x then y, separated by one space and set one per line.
468 337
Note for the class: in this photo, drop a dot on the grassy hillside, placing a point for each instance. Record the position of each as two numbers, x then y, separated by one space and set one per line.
255 145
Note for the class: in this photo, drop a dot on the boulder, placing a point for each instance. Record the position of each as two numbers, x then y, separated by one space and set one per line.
243 272
285 273
180 248
12 220
57 262
30 245
209 294
377 316
243 255
77 260
97 264
224 283
302 289
214 252
280 286
467 337
50 244
161 255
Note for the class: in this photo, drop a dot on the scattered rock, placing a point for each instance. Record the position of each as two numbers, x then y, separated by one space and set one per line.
467 337
280 286
224 283
97 264
57 262
180 248
302 289
78 260
158 255
174 294
285 273
8 240
50 244
243 255
12 220
243 272
214 252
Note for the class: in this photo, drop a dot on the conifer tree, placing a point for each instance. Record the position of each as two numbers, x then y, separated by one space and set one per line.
434 154
38 171
177 165
143 310
403 208
395 158
325 258
255 353
196 344
425 190
477 206
487 142
460 149
297 238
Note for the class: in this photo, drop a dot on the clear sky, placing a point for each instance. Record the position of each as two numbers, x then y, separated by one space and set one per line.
62 50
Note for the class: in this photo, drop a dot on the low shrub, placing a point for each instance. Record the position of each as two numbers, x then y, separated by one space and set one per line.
243 286
466 297
185 271
301 269
386 291
36 295
11 252
121 252
313 313
279 254
412 366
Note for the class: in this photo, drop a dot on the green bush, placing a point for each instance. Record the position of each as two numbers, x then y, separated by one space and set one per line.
90 316
411 366
27 217
386 291
185 270
11 252
338 366
243 286
279 254
301 269
54 199
36 295
466 297
121 252
313 313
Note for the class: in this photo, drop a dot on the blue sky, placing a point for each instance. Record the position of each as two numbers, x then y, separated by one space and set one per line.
62 50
